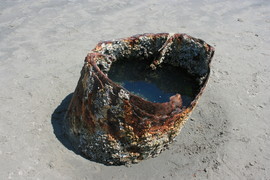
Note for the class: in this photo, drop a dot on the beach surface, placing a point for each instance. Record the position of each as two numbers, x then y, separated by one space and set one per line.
42 49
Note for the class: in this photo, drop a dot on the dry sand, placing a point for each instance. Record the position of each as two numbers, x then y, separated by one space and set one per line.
42 48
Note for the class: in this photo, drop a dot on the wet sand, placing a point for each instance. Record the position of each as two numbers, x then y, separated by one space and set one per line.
42 49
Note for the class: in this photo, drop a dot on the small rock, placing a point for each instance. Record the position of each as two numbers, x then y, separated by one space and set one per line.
240 20
51 165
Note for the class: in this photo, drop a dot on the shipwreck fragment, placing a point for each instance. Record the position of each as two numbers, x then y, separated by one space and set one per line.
112 125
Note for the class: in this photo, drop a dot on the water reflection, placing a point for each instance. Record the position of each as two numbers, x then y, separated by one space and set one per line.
154 85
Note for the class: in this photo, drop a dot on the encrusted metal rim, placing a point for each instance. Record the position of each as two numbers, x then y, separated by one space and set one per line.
90 58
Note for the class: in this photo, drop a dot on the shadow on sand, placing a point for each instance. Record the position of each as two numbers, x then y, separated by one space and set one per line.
57 120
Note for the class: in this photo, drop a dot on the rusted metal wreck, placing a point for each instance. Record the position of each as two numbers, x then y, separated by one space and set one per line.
111 125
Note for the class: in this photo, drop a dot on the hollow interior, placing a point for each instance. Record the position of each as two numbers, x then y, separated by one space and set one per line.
154 85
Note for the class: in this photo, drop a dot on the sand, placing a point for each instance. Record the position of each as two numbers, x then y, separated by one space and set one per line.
42 48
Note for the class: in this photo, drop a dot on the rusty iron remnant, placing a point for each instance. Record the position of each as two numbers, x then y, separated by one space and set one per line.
109 124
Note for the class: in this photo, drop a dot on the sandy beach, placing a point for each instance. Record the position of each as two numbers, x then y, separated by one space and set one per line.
42 49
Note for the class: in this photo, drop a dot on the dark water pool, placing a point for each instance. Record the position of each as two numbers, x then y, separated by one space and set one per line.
154 85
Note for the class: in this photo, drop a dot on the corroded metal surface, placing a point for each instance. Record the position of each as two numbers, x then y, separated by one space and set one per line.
107 123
